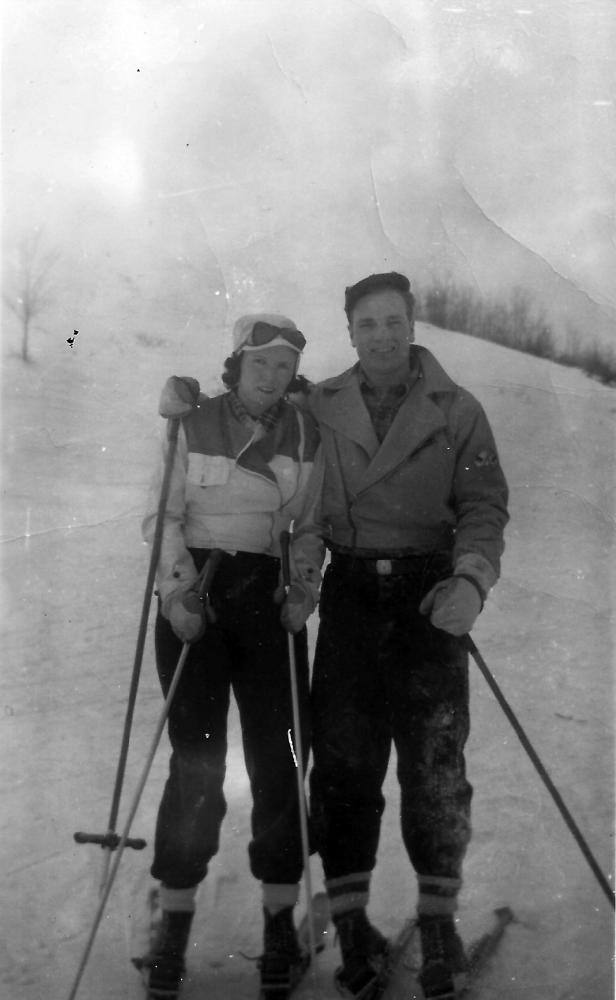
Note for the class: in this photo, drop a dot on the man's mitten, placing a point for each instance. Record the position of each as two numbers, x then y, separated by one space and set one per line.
453 605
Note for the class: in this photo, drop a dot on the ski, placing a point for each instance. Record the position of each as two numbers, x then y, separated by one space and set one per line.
400 979
320 925
398 950
288 983
402 951
482 949
148 933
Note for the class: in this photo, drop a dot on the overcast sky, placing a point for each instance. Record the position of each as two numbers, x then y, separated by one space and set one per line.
473 137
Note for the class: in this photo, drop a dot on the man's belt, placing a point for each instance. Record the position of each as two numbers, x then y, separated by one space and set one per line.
380 567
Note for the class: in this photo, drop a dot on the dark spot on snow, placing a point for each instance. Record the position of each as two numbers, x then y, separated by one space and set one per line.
570 718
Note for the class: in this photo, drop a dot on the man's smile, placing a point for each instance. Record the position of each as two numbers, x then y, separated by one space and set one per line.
384 348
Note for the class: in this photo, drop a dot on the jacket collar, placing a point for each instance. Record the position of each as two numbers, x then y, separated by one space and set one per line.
434 375
341 407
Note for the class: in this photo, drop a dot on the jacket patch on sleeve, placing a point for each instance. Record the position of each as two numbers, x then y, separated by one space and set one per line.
485 458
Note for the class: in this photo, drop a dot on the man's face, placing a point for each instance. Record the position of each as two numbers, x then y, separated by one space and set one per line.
381 333
264 377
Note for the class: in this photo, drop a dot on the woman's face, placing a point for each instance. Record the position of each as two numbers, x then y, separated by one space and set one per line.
264 377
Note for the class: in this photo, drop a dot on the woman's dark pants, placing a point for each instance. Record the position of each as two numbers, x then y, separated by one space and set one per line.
245 651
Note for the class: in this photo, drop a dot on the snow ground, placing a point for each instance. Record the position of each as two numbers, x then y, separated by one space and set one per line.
80 432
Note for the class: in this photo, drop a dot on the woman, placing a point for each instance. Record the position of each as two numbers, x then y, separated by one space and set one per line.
238 479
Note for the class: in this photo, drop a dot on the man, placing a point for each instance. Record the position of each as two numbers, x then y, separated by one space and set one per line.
411 502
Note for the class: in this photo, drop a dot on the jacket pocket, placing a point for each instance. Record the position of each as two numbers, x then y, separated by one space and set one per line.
208 470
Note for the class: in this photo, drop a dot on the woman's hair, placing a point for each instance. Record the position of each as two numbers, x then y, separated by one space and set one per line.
231 376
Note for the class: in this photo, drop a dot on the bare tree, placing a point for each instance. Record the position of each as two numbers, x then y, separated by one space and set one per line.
33 288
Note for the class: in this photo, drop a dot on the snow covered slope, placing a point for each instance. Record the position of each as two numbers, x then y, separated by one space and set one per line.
80 432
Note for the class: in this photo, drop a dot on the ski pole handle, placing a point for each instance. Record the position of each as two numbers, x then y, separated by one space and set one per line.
285 558
109 840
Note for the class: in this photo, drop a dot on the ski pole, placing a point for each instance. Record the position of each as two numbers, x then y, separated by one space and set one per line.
207 576
470 646
174 426
172 408
285 539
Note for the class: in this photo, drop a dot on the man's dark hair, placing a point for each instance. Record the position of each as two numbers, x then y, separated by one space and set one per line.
390 281
233 366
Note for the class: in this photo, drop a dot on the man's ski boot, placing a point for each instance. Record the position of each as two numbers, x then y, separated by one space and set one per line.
444 965
163 967
364 955
282 964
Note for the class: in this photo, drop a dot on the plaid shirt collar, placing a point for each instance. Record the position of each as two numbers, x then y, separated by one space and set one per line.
383 402
268 419
390 392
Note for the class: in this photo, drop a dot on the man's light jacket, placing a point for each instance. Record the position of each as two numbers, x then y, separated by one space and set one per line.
434 484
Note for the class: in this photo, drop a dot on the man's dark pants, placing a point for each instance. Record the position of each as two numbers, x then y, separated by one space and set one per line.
383 672
246 650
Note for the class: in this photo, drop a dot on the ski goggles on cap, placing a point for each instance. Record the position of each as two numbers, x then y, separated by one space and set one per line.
264 334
